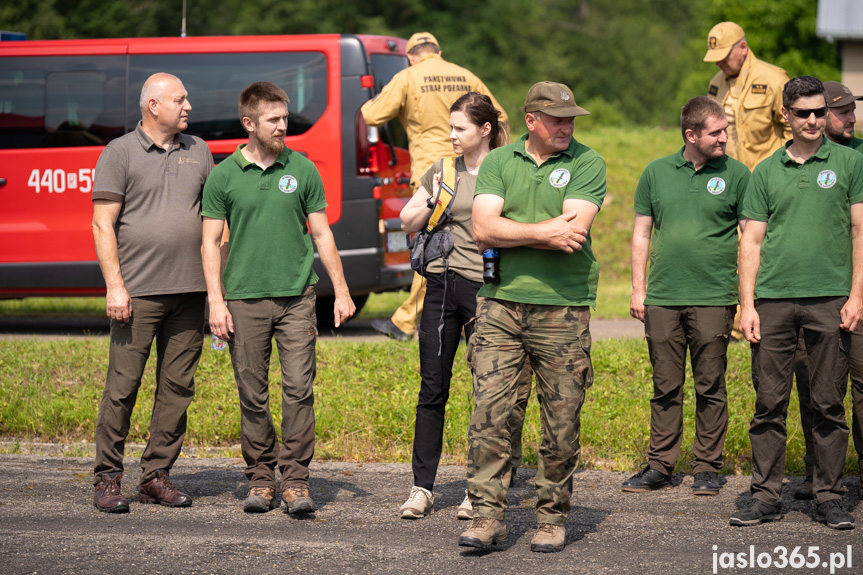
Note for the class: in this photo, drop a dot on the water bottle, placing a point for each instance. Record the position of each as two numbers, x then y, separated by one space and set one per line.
491 266
217 344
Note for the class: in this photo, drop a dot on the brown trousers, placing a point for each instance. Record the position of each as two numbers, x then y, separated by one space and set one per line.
292 322
705 330
176 322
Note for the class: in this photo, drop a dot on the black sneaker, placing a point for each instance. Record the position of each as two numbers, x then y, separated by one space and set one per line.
834 515
646 480
804 490
706 483
757 512
388 328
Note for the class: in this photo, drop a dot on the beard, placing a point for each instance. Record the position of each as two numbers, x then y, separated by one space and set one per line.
838 137
273 145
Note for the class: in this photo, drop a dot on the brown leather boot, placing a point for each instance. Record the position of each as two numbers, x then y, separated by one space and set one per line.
108 497
160 490
296 500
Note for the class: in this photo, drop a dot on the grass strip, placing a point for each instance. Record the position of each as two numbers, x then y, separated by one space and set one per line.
365 402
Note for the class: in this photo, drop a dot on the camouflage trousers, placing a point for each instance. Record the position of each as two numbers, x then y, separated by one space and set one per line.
556 341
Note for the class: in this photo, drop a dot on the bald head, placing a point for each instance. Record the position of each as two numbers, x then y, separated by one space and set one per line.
164 106
155 87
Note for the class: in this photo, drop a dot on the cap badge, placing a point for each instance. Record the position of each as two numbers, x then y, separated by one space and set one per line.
711 42
564 96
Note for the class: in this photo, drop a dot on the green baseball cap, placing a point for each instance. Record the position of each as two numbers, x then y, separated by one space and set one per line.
553 99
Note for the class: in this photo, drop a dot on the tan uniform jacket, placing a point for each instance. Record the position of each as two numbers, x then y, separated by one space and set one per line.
421 95
758 121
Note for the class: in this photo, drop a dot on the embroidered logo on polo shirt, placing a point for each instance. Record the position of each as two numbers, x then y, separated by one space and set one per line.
288 184
716 186
759 88
559 178
826 179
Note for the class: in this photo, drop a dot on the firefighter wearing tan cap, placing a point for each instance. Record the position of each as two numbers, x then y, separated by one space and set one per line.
421 96
751 93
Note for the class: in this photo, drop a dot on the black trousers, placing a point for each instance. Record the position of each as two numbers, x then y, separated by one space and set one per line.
772 373
459 307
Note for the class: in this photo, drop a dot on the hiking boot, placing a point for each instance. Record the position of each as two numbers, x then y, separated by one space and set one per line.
834 515
388 328
296 500
705 483
483 532
646 480
260 500
419 504
804 490
548 538
160 490
107 496
757 512
465 510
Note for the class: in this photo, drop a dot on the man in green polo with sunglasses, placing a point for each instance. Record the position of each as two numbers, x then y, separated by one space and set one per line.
800 270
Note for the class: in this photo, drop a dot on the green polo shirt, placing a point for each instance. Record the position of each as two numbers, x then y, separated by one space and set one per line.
807 207
533 194
693 252
856 144
270 251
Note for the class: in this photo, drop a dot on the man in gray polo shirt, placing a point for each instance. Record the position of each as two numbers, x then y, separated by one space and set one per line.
147 230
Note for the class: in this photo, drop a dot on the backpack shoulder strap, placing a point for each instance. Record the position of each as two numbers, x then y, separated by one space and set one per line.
446 194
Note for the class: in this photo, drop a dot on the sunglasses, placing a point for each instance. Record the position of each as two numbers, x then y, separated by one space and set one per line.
803 113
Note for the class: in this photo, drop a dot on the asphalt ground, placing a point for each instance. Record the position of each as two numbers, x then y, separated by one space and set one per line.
49 525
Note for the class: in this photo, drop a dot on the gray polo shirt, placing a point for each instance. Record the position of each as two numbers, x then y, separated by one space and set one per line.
159 226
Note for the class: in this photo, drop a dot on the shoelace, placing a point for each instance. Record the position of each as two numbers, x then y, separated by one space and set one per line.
166 481
112 487
417 495
297 491
481 522
259 492
546 528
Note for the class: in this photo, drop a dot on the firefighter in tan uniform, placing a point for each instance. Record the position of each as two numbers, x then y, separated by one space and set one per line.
421 96
751 93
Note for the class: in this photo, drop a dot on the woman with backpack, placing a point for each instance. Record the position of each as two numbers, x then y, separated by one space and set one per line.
453 278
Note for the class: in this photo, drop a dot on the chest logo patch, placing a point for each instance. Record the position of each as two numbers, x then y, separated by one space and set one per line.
826 179
559 178
716 186
288 184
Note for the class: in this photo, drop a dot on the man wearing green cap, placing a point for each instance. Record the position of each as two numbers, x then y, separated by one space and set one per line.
751 93
535 201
